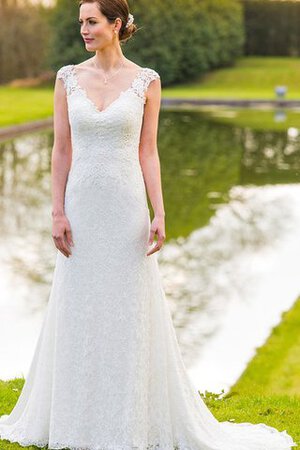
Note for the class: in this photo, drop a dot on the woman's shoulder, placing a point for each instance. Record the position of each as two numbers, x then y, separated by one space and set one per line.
151 73
63 71
147 71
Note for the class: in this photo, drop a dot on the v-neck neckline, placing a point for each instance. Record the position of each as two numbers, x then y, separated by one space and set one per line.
84 92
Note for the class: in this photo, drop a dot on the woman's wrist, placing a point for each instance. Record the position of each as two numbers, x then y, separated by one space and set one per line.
57 212
159 214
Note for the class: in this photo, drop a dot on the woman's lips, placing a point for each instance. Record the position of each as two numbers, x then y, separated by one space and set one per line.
88 40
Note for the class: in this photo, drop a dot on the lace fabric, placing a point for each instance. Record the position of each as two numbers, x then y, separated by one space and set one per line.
107 372
139 84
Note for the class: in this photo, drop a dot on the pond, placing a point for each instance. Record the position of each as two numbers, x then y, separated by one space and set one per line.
231 261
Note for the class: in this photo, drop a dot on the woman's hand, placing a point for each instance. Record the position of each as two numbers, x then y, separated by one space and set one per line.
61 233
157 226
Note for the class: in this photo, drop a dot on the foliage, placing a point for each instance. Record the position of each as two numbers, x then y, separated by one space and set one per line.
272 27
24 35
66 43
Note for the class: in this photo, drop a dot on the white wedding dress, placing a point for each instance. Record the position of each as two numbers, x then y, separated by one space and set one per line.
107 373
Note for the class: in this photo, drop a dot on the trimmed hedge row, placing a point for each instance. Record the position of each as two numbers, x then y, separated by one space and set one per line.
272 27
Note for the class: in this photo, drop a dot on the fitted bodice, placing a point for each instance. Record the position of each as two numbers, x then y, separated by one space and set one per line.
105 143
118 126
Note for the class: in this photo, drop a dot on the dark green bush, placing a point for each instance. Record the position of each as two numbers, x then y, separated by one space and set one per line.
272 27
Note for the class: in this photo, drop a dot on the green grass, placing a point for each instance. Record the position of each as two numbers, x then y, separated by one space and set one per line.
19 105
269 389
267 392
276 366
251 77
278 411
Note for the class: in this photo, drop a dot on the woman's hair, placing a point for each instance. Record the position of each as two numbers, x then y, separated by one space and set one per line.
112 9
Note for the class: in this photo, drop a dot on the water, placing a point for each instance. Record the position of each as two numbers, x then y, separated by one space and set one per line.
230 280
230 263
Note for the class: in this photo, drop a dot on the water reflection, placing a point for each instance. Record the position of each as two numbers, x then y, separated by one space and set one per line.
229 282
270 155
26 250
25 208
232 218
280 115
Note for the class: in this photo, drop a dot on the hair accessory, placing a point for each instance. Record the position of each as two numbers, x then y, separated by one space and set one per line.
130 20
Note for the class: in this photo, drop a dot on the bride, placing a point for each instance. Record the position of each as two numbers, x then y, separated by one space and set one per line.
107 372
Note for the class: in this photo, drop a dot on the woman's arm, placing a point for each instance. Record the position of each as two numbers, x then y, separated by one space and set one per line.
150 164
60 166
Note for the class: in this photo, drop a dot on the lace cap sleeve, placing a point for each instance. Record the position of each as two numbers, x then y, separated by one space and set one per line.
141 84
65 74
152 74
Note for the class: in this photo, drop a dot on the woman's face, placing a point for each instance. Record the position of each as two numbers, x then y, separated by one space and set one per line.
95 28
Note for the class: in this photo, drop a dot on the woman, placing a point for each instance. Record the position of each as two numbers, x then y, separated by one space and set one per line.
107 373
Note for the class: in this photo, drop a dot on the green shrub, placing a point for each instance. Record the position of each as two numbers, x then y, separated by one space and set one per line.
272 27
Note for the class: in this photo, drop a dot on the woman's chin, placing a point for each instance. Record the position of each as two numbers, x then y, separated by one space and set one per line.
89 47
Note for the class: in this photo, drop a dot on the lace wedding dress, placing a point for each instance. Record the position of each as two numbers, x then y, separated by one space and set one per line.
107 373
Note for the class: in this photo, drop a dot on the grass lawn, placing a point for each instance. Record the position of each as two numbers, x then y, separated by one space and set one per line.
269 389
19 105
267 392
276 366
251 77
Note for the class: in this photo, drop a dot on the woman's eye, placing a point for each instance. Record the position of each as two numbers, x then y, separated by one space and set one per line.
92 22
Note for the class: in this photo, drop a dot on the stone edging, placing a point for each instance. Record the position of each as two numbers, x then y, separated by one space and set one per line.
13 130
231 102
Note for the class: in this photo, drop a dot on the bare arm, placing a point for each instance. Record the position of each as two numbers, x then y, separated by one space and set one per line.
60 166
62 149
149 160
